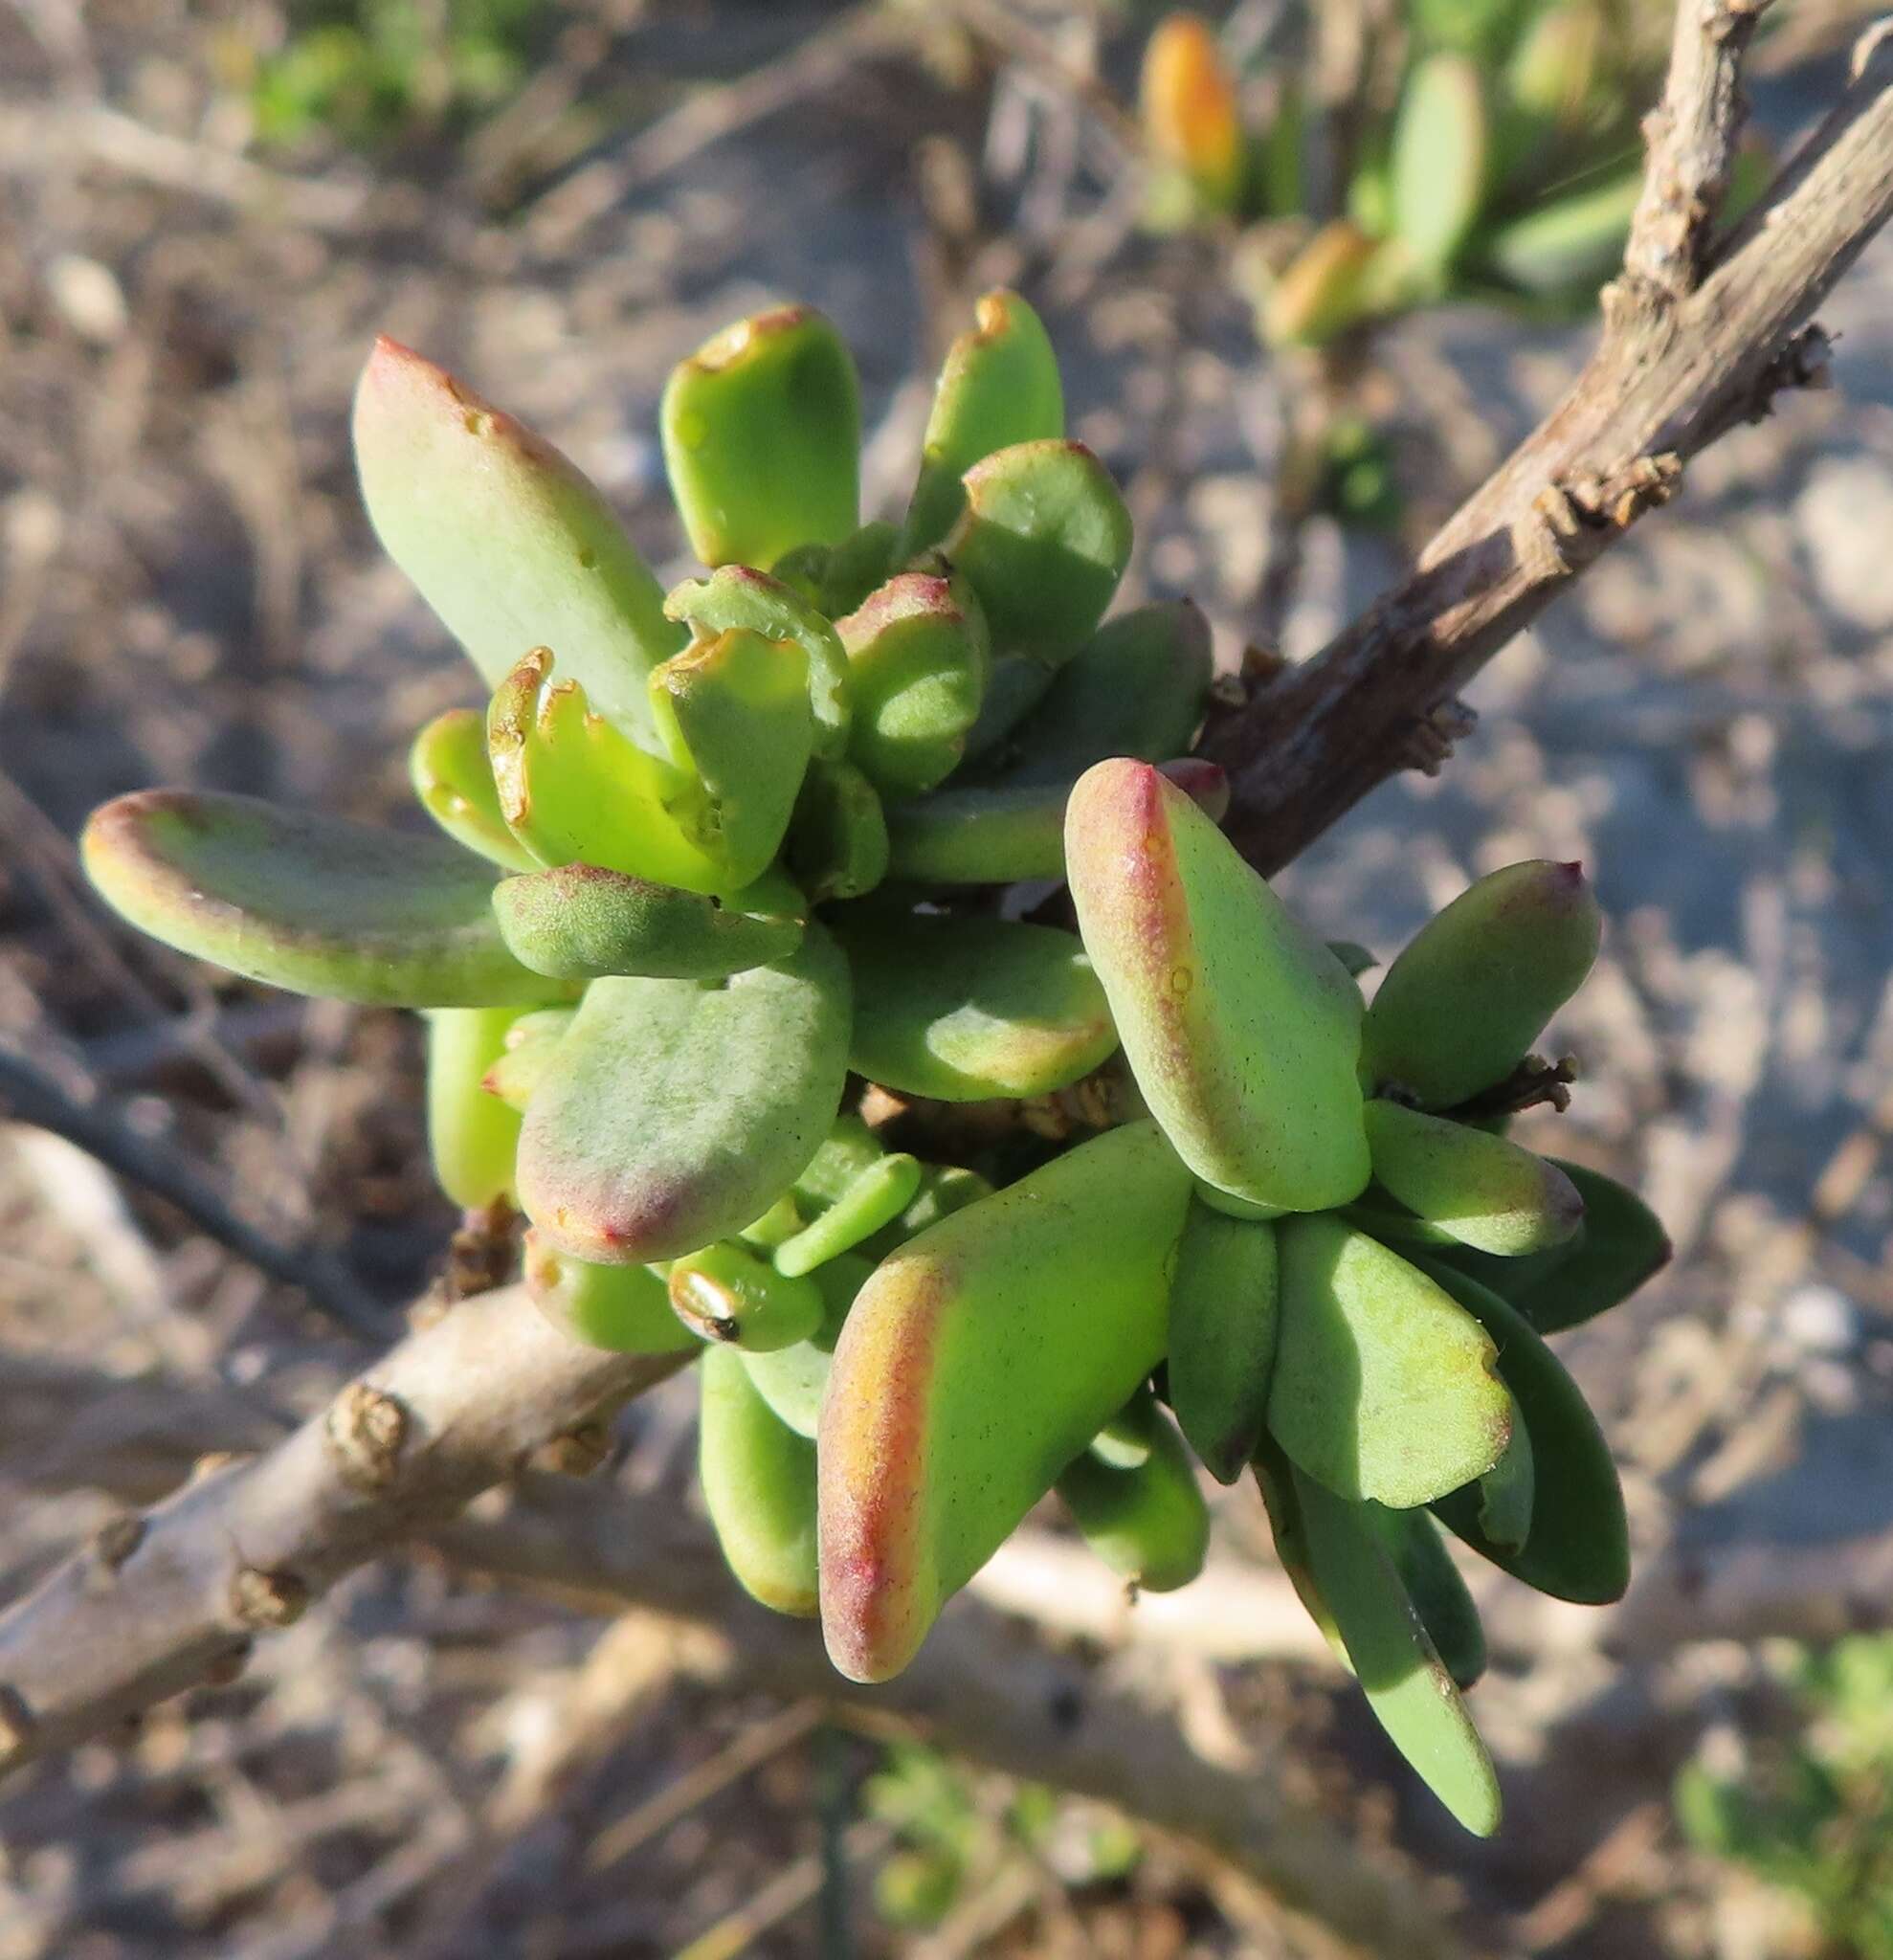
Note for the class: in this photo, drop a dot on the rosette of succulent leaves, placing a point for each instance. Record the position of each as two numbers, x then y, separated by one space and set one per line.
715 918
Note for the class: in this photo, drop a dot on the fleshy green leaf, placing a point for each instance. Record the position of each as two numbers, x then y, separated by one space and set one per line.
1242 1030
675 1111
963 1009
874 1198
978 1361
1385 1387
581 923
835 578
917 666
725 1293
525 1054
452 779
314 903
1481 1189
735 711
471 1133
1138 689
837 838
1146 1520
1000 386
758 1479
1578 1546
1399 1669
573 790
1224 1322
761 433
793 1380
1043 540
624 1309
507 540
1473 988
1439 158
738 596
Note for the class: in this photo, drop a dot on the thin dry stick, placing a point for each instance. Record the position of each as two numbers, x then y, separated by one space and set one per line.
1676 369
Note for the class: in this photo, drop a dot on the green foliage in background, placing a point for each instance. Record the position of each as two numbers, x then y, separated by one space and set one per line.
370 72
1812 1814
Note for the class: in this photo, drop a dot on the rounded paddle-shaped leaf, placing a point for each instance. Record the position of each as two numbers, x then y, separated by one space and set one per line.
676 1112
917 666
1000 386
583 923
762 434
1385 1387
314 903
978 1361
741 596
1043 540
1473 988
963 1009
1242 1028
1482 1190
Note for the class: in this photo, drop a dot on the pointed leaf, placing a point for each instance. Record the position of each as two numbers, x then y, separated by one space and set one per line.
1000 386
1242 1028
1578 1546
761 432
675 1111
1399 1669
314 903
1473 988
1384 1385
452 779
975 1365
1619 1246
1440 1594
507 540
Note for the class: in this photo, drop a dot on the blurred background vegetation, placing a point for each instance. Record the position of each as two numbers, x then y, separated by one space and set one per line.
1311 270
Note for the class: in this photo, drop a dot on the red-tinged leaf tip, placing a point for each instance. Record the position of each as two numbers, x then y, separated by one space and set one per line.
876 1600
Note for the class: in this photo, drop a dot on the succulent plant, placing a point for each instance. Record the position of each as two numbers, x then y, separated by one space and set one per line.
1504 168
709 931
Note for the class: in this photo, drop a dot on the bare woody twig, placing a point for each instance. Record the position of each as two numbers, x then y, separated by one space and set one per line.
1683 361
156 1603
